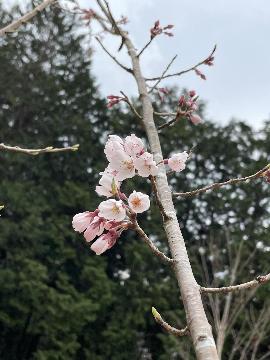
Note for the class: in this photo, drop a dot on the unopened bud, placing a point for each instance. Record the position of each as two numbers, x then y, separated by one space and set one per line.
156 314
195 119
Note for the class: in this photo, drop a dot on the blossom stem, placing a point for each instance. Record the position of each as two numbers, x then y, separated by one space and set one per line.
136 227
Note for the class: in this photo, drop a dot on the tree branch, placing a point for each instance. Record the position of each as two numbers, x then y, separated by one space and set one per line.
24 19
171 122
34 152
132 108
183 71
145 47
113 57
146 239
170 329
162 75
219 185
261 279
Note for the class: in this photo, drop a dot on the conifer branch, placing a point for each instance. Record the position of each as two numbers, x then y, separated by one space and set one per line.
260 280
170 329
24 19
220 184
48 149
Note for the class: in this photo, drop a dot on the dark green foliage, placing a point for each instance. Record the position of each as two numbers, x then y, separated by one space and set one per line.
57 299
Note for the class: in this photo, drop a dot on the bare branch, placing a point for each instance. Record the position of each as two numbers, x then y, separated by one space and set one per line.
146 239
133 109
162 75
170 122
145 47
184 71
261 279
113 57
219 185
24 19
170 329
34 152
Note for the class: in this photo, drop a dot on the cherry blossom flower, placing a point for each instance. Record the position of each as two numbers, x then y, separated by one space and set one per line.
96 228
108 185
195 119
146 165
105 242
138 202
133 145
178 161
123 164
112 210
82 220
114 144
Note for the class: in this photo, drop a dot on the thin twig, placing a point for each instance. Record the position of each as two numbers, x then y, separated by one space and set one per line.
24 19
170 329
146 239
170 122
133 109
219 185
113 57
48 149
261 279
162 75
145 46
184 71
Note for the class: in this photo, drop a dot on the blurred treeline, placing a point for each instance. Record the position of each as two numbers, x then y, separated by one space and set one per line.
60 301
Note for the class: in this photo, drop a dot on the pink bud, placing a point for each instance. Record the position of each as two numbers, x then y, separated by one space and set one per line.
200 74
164 91
168 27
192 93
168 33
195 119
182 101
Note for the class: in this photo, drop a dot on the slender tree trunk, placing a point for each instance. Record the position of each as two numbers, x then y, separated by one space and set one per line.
199 327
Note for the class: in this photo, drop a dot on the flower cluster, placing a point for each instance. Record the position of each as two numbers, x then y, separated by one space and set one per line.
127 157
157 30
188 105
109 220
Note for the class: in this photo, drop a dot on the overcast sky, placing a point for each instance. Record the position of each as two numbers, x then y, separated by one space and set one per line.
238 84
